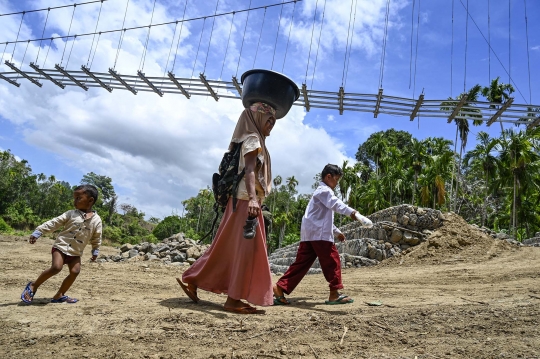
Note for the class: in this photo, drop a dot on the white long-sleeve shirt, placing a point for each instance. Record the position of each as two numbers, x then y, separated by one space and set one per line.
318 220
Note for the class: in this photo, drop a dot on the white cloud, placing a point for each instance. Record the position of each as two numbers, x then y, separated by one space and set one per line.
160 151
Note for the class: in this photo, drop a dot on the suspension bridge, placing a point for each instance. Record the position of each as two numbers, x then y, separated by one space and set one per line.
83 77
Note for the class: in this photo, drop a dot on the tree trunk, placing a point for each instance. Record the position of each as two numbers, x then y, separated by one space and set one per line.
458 176
453 167
415 186
514 206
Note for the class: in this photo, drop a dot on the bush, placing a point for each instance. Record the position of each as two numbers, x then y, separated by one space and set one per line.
112 233
166 228
4 227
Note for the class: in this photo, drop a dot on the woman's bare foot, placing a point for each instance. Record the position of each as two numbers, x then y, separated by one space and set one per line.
189 289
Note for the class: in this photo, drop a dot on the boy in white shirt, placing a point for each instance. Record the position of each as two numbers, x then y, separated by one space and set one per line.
81 226
317 240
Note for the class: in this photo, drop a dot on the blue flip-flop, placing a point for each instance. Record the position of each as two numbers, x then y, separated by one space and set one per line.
28 291
340 300
281 300
64 299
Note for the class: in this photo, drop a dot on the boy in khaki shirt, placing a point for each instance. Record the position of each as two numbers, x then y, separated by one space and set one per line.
81 226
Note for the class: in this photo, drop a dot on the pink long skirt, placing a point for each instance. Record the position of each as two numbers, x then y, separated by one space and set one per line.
234 265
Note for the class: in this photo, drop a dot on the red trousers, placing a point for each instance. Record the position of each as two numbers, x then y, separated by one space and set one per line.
307 253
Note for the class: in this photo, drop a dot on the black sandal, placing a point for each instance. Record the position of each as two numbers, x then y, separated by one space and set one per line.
250 227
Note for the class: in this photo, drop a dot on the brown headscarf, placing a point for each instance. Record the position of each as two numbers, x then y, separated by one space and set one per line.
251 123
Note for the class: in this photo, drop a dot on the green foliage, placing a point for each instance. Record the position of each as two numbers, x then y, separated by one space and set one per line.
112 233
167 227
4 227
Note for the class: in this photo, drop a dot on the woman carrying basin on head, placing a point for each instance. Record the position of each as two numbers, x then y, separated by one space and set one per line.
236 263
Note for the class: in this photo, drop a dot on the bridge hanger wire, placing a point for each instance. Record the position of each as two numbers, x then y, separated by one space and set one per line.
489 41
451 55
412 33
277 35
211 33
93 37
311 41
226 51
3 52
51 8
347 45
18 32
227 48
494 53
155 25
383 52
197 56
95 50
47 53
42 33
466 47
288 37
243 37
22 61
179 37
143 56
350 44
416 51
528 55
318 46
69 30
259 41
509 41
121 38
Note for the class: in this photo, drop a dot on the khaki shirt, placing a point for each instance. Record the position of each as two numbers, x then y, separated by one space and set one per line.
77 232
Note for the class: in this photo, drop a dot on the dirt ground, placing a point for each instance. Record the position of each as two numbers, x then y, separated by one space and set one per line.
461 294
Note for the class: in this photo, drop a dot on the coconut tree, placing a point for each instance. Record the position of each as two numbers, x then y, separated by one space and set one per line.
497 93
466 113
483 159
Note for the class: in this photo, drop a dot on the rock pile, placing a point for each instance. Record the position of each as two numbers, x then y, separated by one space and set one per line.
175 250
534 241
394 230
398 230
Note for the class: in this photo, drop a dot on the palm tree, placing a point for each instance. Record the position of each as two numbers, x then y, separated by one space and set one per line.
377 147
468 111
483 160
392 165
291 189
520 159
417 155
497 93
433 179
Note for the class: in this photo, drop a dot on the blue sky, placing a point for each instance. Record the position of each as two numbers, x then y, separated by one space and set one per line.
160 151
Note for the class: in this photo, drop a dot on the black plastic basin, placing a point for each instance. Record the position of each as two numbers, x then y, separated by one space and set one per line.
269 87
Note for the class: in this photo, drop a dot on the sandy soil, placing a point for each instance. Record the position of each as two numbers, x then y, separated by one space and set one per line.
459 295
